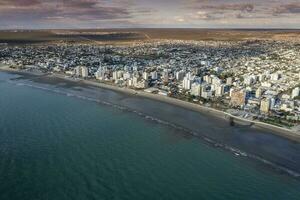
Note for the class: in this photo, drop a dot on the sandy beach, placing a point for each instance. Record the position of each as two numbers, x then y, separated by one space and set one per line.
280 131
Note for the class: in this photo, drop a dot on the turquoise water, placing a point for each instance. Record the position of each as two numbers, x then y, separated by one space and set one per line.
55 146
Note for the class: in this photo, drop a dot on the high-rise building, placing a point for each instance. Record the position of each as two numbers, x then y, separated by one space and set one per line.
77 71
115 75
265 105
186 83
100 74
238 97
216 81
207 79
189 75
229 81
165 76
145 75
130 82
196 89
154 75
84 72
295 92
120 74
261 77
220 90
272 103
258 92
179 75
135 81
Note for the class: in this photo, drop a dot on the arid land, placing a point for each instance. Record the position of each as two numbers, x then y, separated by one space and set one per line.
130 35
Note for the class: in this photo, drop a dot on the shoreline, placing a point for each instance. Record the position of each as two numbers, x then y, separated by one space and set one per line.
276 130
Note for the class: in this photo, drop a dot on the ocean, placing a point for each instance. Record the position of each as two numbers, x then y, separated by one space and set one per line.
61 140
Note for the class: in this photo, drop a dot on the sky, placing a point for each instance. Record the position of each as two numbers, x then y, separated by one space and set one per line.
63 14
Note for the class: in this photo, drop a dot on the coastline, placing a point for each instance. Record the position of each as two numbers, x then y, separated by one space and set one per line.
276 130
74 127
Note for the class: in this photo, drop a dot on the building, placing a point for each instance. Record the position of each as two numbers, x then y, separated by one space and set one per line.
216 81
135 81
186 83
258 92
238 97
145 76
70 72
207 79
77 71
275 76
165 76
206 94
249 80
130 82
229 81
100 73
127 75
295 92
84 72
142 84
189 76
265 105
196 89
154 75
220 89
261 77
272 103
117 75
179 75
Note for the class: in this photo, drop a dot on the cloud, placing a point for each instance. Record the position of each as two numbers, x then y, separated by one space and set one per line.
291 8
146 13
218 10
203 15
75 9
230 7
179 19
243 9
19 3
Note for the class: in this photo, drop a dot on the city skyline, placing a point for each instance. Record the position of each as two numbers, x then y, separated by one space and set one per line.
76 14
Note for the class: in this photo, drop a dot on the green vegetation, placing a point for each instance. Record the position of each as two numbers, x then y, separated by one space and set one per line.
241 78
277 122
225 75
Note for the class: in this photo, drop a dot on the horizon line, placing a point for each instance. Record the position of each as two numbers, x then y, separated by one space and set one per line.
122 28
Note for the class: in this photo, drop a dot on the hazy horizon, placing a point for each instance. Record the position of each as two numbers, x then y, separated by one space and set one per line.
150 28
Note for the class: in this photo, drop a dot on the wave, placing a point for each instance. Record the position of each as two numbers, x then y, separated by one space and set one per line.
209 141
